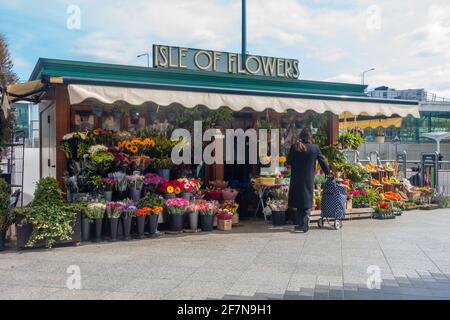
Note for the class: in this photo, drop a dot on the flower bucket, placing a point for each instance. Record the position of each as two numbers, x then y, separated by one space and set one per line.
98 229
169 196
114 224
188 195
141 226
127 227
279 218
2 240
176 222
86 229
207 223
164 173
108 195
153 224
136 195
193 221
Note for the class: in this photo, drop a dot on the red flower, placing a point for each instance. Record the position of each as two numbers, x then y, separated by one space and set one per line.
384 205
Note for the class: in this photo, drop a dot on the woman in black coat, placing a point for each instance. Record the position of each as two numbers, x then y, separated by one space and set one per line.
302 158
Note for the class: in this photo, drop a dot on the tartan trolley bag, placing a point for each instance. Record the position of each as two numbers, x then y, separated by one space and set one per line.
334 200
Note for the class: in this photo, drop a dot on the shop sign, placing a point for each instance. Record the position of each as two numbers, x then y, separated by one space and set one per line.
225 62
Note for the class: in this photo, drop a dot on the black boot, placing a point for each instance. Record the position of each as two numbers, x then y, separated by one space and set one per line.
306 221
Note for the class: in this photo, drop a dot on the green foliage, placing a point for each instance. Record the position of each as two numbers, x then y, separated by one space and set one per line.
151 201
164 163
6 215
351 139
263 124
335 157
47 193
210 118
356 174
102 158
50 223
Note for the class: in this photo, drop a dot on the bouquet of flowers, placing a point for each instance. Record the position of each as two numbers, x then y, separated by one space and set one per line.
177 206
152 179
171 187
156 210
384 208
199 206
143 212
129 209
114 209
225 214
231 206
109 183
96 210
135 182
121 181
190 185
277 205
97 149
151 201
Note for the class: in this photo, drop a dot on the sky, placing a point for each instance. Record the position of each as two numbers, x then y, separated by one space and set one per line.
406 41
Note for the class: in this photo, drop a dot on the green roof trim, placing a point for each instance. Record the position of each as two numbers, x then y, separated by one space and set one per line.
90 72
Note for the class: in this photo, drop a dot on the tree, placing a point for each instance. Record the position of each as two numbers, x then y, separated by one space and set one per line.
7 75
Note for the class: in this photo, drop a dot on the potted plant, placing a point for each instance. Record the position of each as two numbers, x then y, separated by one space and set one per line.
109 185
6 215
177 208
279 208
135 184
141 214
96 210
207 215
129 212
117 111
114 212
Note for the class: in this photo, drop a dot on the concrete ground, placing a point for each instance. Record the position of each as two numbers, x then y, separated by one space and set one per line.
411 254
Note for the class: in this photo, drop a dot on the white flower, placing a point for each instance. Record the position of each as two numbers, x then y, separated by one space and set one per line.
97 148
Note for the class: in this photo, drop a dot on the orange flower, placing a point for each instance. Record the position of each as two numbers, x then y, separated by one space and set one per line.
134 149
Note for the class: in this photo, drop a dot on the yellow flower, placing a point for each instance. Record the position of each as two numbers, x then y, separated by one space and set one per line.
170 189
177 190
134 149
282 159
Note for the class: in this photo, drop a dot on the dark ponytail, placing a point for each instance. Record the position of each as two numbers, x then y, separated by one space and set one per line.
305 137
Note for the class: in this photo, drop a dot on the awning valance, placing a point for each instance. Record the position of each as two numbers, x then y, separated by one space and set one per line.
374 124
258 101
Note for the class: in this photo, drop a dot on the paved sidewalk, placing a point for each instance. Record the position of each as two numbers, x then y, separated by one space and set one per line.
411 252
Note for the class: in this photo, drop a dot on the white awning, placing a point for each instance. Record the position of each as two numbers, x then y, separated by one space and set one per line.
258 101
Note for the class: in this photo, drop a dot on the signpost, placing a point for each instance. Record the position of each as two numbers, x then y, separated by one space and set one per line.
225 62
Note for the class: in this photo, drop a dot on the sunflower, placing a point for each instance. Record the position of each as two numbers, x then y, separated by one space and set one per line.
128 145
177 190
134 149
170 189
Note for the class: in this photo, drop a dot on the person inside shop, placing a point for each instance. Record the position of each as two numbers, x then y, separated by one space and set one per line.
302 159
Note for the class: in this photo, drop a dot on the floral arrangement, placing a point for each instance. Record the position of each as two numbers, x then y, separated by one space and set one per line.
152 179
143 212
225 214
203 207
114 209
109 183
121 181
135 181
277 205
102 158
129 209
75 135
384 208
231 206
156 210
171 187
136 145
190 185
177 206
96 210
151 201
98 148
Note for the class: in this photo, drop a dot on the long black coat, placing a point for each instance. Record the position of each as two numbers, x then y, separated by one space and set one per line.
303 167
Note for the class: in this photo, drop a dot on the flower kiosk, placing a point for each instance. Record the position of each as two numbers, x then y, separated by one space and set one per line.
106 134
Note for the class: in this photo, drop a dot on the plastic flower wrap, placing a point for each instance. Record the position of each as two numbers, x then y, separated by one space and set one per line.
96 210
177 206
135 182
121 181
114 209
109 183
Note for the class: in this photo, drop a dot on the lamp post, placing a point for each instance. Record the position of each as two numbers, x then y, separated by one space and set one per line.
148 58
364 75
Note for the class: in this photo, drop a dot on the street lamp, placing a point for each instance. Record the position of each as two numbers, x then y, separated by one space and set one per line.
148 58
364 75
